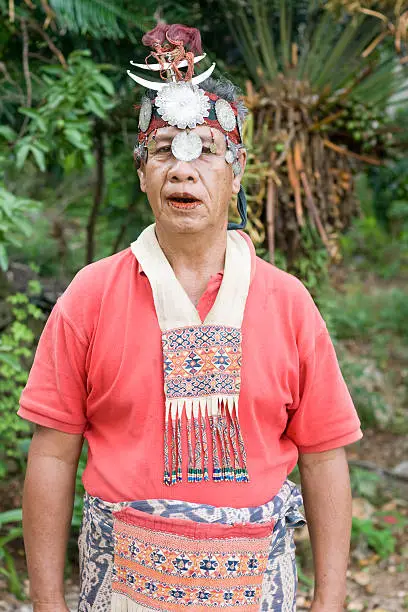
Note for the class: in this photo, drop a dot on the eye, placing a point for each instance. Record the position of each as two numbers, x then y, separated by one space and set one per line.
164 149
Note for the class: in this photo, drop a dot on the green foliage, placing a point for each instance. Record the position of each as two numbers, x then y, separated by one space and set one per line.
63 124
311 264
361 380
7 535
372 329
362 316
14 222
17 345
364 483
79 492
379 539
102 18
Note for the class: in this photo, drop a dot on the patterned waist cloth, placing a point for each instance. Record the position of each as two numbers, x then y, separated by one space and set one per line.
131 560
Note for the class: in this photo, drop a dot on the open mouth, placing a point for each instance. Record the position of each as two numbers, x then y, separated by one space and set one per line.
183 203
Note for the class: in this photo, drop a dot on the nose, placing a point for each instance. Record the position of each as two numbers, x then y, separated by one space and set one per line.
182 172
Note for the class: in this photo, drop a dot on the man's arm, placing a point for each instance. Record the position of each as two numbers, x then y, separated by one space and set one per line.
47 510
327 499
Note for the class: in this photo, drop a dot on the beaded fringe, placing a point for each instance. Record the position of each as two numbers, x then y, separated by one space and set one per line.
122 603
227 444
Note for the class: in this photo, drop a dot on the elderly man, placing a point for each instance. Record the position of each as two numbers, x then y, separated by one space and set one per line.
199 376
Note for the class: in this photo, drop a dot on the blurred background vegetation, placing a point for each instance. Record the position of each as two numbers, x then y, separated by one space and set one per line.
326 84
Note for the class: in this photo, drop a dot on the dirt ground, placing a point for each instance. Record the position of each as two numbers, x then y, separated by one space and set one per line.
374 585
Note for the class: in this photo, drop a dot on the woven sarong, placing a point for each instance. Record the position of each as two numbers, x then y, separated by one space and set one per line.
279 583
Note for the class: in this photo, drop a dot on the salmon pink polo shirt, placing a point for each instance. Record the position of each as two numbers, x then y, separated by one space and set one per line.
98 371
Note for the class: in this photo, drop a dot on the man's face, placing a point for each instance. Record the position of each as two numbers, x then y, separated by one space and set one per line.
189 197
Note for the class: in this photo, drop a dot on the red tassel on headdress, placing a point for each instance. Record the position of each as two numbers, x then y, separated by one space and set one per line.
175 34
174 43
190 37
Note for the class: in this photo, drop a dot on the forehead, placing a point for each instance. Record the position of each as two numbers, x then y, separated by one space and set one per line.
204 131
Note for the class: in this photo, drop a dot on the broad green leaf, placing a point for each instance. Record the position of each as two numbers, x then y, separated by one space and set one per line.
75 138
35 115
39 158
105 83
3 257
95 107
8 133
21 155
23 225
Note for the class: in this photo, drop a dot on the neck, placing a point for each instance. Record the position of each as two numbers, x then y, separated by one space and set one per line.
194 257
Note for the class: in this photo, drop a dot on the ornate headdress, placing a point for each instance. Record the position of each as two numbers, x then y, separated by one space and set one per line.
181 103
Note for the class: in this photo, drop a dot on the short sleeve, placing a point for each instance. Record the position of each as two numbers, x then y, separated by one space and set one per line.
324 416
55 394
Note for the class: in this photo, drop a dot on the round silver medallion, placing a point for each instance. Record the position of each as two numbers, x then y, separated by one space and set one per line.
186 146
145 114
229 156
225 115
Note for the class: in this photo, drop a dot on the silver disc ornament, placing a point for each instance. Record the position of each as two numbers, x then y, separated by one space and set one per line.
236 168
186 146
229 156
225 115
145 114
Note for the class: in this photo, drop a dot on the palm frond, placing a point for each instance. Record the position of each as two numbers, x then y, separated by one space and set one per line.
101 18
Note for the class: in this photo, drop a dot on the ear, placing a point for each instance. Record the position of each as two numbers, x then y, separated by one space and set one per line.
236 181
142 177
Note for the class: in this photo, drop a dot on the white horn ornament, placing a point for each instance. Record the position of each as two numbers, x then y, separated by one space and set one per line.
146 83
166 66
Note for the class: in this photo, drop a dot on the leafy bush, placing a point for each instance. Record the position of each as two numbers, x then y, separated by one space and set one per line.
379 539
63 124
7 565
14 222
363 315
17 345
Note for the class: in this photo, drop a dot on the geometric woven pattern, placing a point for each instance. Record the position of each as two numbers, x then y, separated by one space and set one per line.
202 361
162 564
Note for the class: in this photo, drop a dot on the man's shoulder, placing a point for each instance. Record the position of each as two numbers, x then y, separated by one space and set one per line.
282 283
93 280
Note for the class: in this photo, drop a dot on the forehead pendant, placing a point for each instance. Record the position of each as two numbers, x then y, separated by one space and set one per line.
225 115
186 146
182 105
145 114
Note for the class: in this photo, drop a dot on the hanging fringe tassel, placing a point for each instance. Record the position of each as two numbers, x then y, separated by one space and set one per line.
166 479
198 451
228 471
205 444
190 473
244 471
173 451
179 450
228 450
121 603
217 473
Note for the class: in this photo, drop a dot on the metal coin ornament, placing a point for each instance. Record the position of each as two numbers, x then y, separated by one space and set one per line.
145 114
183 105
236 168
225 115
229 156
186 146
213 147
152 145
